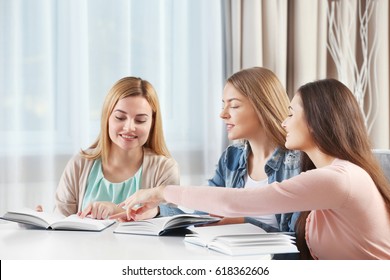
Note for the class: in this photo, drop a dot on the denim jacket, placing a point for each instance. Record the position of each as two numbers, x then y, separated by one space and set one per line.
232 169
231 172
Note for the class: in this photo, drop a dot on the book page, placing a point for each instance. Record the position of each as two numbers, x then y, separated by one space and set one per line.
185 220
209 233
253 250
147 227
74 222
30 216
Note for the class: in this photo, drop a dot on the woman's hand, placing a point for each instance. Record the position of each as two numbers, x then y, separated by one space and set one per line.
100 210
225 221
138 205
152 213
39 208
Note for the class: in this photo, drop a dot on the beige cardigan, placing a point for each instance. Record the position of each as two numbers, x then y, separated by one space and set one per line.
156 170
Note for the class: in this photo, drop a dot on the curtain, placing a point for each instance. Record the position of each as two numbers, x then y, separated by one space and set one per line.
292 39
256 35
59 58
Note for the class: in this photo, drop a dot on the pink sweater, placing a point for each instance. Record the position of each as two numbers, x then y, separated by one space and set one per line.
348 218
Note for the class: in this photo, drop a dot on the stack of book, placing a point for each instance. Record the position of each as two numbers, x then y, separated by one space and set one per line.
241 240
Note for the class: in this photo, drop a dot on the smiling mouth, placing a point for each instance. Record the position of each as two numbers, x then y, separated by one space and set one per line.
229 126
128 137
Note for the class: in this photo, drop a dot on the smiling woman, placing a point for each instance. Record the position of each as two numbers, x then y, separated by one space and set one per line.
130 122
298 135
60 58
129 154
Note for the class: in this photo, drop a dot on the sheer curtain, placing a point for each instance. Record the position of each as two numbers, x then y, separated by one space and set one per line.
291 38
59 58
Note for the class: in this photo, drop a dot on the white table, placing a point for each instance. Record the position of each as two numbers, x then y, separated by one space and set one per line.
20 243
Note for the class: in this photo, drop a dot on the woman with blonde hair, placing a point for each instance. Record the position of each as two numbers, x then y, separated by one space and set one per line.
254 105
129 154
343 187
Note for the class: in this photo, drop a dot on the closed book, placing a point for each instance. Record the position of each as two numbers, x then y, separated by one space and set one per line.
241 239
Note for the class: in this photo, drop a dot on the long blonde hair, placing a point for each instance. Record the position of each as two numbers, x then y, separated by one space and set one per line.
125 87
268 98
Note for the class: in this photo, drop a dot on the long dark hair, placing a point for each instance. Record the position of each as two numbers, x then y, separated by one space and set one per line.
337 126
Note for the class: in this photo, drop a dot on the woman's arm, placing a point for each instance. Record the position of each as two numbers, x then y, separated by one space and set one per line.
71 184
316 189
323 188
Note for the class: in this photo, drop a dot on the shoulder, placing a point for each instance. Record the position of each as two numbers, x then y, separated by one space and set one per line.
238 147
342 175
234 156
328 187
78 159
292 157
151 158
79 163
234 150
348 169
289 159
159 170
291 153
355 181
342 166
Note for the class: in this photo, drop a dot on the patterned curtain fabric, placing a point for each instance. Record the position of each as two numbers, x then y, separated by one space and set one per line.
292 38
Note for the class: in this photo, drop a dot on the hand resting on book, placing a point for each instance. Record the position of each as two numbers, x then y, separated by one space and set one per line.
100 210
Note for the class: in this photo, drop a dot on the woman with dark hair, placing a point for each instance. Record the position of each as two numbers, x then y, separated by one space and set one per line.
343 187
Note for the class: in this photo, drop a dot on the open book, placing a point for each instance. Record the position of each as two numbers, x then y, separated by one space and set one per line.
55 221
241 239
164 225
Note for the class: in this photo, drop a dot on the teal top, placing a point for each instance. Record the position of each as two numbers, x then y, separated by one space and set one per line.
100 189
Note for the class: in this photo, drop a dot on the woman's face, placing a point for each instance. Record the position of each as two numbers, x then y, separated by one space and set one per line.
130 122
298 133
239 115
